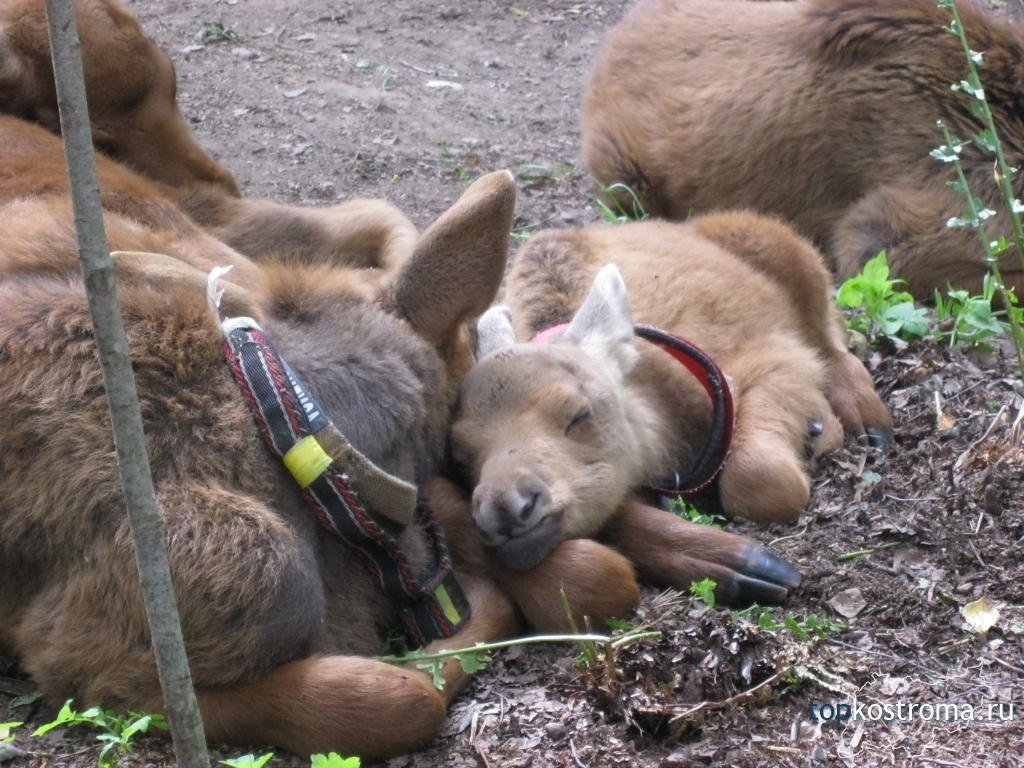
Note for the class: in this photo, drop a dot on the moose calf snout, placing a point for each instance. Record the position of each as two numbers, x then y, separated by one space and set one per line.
512 510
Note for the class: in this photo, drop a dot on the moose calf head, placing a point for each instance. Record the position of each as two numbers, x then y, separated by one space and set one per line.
548 432
130 83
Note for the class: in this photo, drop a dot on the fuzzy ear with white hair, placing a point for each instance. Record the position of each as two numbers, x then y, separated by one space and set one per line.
494 331
603 325
11 67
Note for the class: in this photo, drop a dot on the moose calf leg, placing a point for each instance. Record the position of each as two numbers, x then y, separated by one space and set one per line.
673 552
597 581
346 704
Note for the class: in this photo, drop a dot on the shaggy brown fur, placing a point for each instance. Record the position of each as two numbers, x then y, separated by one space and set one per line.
820 111
555 435
276 614
130 85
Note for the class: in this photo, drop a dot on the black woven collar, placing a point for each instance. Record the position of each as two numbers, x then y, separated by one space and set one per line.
296 430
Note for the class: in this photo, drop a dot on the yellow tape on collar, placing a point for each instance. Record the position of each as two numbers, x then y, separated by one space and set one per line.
306 460
450 611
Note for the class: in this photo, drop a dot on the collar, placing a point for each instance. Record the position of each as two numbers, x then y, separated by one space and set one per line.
347 492
709 462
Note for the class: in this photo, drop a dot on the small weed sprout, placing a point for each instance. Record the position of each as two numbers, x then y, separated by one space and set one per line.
681 508
448 161
975 212
116 731
886 311
618 214
248 761
385 76
705 590
966 319
814 624
216 32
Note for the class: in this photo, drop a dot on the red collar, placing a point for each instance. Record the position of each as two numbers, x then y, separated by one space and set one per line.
709 462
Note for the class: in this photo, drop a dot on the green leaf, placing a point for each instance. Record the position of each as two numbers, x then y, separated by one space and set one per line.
248 761
765 621
434 667
5 731
619 624
24 701
474 661
705 590
333 760
793 626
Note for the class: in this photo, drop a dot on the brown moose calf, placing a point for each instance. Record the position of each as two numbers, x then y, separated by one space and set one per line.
822 112
557 435
278 615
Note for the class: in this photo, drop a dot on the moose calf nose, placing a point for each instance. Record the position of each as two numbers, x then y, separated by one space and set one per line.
506 510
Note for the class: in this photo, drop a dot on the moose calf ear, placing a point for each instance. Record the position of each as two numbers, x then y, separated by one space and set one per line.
456 266
12 69
603 325
494 331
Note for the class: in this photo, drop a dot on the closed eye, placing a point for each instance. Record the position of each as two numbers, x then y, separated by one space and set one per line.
580 418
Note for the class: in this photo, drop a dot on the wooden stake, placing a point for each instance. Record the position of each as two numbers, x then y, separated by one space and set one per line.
130 442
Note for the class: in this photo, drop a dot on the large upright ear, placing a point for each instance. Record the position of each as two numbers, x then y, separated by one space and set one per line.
603 325
457 265
494 331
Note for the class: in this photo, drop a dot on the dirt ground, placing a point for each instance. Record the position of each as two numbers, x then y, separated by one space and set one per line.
409 100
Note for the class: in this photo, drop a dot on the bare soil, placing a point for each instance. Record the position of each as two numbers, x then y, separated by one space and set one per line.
410 100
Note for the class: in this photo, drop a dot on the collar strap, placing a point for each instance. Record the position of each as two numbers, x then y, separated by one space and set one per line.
709 462
343 487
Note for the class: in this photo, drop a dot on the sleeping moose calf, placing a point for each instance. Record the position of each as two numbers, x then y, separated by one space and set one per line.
822 112
559 434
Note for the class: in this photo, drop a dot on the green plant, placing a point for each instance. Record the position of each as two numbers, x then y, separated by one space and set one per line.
5 732
333 760
117 730
385 76
966 319
975 212
813 624
886 311
682 509
248 761
216 32
619 214
705 590
448 161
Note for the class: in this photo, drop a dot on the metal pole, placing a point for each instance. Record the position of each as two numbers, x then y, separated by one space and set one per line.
130 442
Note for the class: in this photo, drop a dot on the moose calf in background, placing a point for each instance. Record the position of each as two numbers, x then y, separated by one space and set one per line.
822 112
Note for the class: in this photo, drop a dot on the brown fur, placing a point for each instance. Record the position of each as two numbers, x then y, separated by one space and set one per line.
550 435
276 614
130 86
819 111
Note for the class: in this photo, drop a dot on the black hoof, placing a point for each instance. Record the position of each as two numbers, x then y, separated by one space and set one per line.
814 429
759 563
879 438
744 590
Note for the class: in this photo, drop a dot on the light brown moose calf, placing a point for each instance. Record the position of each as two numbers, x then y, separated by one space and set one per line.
822 112
559 435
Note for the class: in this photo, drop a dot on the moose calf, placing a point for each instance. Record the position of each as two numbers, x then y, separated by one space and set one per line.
559 434
130 85
822 112
278 615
